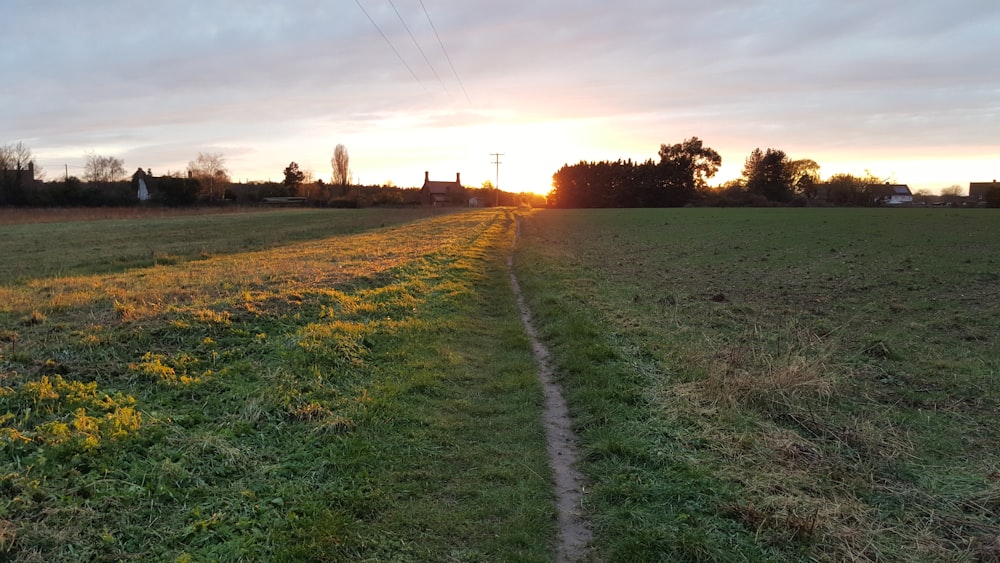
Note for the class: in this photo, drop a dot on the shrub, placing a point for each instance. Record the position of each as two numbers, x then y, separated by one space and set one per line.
177 191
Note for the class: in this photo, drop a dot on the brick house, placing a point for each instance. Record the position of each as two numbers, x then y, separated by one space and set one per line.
437 193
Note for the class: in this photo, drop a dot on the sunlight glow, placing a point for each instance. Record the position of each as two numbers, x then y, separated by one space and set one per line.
398 148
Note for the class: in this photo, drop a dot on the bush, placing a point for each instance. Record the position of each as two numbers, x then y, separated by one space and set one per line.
388 196
177 191
73 192
344 203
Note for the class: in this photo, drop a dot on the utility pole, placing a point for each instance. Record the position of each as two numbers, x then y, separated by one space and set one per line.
496 160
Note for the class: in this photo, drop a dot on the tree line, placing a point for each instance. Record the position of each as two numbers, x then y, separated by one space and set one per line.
680 178
206 180
106 182
681 173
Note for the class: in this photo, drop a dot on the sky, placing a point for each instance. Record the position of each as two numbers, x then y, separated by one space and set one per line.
906 89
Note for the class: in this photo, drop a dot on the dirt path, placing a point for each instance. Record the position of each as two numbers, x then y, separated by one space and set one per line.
574 531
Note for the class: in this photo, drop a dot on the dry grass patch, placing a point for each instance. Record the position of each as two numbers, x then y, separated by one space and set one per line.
768 407
769 369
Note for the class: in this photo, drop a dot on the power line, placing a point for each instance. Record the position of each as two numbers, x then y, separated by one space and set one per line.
417 45
389 43
445 51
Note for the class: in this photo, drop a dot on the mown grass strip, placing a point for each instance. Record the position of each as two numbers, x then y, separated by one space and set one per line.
367 397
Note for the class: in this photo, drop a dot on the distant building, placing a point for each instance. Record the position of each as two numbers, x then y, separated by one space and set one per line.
978 190
141 182
890 194
16 183
439 193
18 177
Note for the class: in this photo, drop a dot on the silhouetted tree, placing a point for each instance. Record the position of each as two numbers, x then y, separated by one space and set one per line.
846 189
103 169
178 191
15 156
293 178
674 181
341 166
684 170
768 174
952 195
590 184
209 169
805 176
68 191
952 191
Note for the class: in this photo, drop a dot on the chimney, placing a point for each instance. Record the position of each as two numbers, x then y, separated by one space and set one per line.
458 177
427 176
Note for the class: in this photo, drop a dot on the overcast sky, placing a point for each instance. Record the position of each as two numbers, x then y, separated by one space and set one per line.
909 89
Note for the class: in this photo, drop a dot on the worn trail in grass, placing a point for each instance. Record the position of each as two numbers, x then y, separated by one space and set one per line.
362 397
574 534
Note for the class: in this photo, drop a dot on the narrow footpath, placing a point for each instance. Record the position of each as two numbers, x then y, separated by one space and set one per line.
574 534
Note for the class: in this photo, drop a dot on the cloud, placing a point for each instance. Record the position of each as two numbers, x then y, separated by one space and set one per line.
151 78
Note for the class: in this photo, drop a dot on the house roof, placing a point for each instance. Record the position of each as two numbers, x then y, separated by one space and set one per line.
436 187
439 187
889 190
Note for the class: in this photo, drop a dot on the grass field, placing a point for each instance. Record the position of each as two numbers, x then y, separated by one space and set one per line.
747 384
64 242
368 396
779 384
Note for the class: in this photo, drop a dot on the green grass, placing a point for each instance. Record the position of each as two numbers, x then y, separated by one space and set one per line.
747 384
368 396
778 384
115 241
